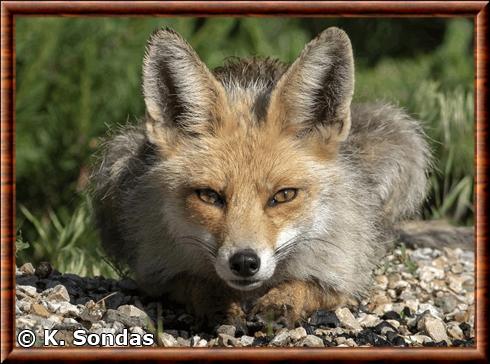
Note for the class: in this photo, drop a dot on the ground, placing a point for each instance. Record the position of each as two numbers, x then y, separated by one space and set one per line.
421 297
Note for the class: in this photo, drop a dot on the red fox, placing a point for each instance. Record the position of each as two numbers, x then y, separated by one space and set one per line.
257 182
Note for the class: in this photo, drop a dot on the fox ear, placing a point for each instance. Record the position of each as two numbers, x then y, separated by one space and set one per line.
316 91
179 90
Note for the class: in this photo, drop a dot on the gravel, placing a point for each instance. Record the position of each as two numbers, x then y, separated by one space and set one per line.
420 297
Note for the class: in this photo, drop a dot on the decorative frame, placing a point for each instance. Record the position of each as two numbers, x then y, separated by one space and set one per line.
10 10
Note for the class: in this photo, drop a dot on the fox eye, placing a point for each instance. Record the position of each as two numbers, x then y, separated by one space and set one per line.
284 195
210 196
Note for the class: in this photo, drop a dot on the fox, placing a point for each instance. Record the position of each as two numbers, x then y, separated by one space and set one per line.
258 186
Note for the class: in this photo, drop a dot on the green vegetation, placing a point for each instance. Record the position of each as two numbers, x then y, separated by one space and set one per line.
77 77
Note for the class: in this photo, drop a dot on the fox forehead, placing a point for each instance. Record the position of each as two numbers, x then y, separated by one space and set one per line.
255 159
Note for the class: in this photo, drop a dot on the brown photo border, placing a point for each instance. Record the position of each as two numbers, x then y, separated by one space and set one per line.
478 10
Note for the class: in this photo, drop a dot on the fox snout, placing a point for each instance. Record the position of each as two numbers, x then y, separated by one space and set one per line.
245 263
245 268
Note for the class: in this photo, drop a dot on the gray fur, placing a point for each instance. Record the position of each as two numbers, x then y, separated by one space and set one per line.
377 180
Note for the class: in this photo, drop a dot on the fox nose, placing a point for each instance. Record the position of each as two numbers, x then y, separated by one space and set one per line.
245 263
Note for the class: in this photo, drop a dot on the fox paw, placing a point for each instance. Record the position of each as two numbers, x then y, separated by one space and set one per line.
277 307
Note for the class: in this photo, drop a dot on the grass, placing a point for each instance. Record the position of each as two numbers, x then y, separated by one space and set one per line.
78 77
406 260
59 241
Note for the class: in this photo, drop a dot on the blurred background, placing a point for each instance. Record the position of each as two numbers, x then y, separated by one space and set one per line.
76 77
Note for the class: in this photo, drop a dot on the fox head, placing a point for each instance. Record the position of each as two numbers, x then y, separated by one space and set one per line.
245 150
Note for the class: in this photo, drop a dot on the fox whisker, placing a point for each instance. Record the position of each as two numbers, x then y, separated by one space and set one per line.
199 243
292 244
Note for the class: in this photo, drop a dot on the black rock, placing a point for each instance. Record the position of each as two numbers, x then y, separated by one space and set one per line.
328 343
324 318
105 283
46 283
383 327
365 337
112 285
368 337
55 273
260 341
390 335
241 328
413 325
381 342
50 283
391 315
116 300
254 326
26 280
91 284
457 342
436 344
406 312
466 328
71 277
395 339
128 285
464 343
43 270
310 330
186 319
74 289
206 336
101 289
398 341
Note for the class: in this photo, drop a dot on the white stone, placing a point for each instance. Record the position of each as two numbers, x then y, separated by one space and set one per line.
246 340
195 339
24 305
167 340
66 308
132 311
420 339
27 268
28 290
455 331
297 334
427 273
56 318
58 293
202 343
313 341
53 306
137 330
69 320
227 340
347 319
281 338
394 323
183 342
25 322
369 321
435 328
427 306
